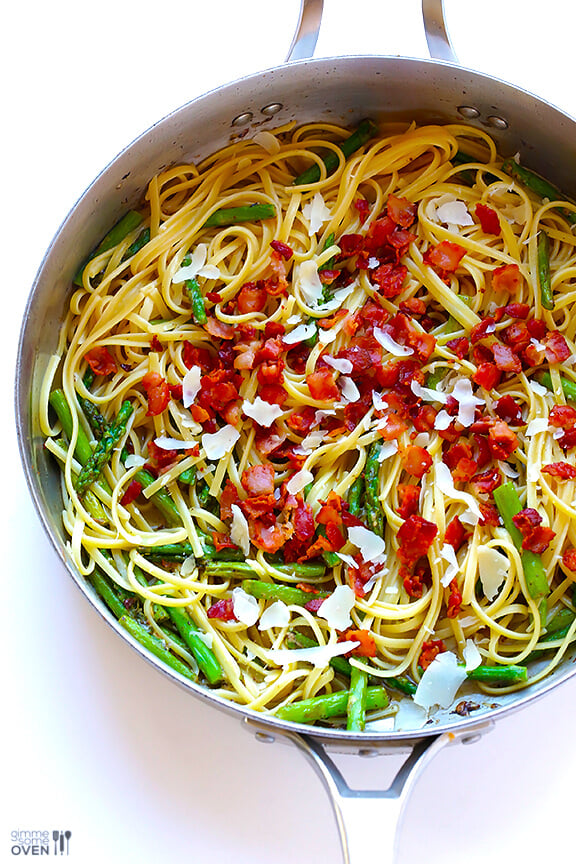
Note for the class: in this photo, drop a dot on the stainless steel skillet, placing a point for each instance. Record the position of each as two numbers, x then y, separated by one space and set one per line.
345 89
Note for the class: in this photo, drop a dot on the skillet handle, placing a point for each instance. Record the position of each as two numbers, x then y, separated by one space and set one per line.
437 36
369 820
307 30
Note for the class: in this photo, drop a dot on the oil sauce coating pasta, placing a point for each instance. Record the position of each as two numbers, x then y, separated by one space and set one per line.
316 430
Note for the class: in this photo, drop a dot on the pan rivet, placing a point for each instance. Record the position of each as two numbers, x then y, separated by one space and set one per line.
242 119
368 752
497 122
264 738
272 109
468 111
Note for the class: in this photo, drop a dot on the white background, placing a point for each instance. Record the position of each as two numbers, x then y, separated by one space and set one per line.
94 740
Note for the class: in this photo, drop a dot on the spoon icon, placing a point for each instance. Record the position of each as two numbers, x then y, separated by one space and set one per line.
67 835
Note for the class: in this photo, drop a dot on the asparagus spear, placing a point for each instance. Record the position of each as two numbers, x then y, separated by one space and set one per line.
270 591
498 674
294 639
196 301
543 188
544 279
104 588
155 646
356 705
141 241
116 234
205 657
244 568
82 450
374 514
233 215
366 130
355 495
508 503
92 469
568 386
330 705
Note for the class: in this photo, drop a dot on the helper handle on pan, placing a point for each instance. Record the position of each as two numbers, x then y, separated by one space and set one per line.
308 28
361 813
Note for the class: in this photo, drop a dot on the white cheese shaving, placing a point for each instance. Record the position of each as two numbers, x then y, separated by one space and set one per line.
261 412
316 212
347 559
442 420
448 554
388 449
276 615
471 655
537 425
310 443
422 439
508 470
390 345
533 472
308 282
326 336
239 531
336 608
445 484
191 385
293 320
341 364
373 263
197 267
338 298
467 401
299 481
188 566
427 394
165 443
493 569
369 544
409 716
299 334
245 607
440 681
378 401
537 388
134 461
454 213
349 389
218 444
267 141
319 656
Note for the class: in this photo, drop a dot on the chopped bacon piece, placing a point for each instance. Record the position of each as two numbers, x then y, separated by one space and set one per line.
517 310
273 329
416 460
536 538
487 481
563 417
454 600
415 536
490 515
430 651
258 480
482 329
414 581
303 520
393 428
424 418
218 328
502 440
270 538
509 410
301 421
537 328
505 358
516 336
401 211
322 385
569 559
222 541
413 306
362 207
269 440
101 361
556 348
367 646
155 344
562 470
194 356
507 278
350 244
132 492
252 298
390 279
488 218
228 497
487 375
223 610
282 248
157 393
459 346
445 257
455 533
408 499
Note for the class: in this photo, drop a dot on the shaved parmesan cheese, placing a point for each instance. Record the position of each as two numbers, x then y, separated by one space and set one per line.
336 608
349 389
409 716
427 393
261 412
373 263
440 681
471 655
267 141
218 444
327 336
319 656
299 334
338 298
378 401
388 449
539 424
308 281
299 481
239 533
422 439
134 461
165 443
508 470
454 213
245 607
188 566
369 543
442 420
537 388
294 319
493 568
445 484
347 559
191 385
341 364
197 267
316 212
467 402
448 554
276 615
390 345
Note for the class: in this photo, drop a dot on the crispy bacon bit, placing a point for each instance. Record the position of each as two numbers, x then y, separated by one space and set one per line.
455 534
155 344
445 257
282 248
416 461
536 538
258 480
401 211
251 298
408 499
507 278
223 610
270 538
301 421
415 536
222 541
509 410
362 207
390 279
556 348
502 440
132 492
459 346
194 356
536 328
563 417
367 646
517 310
486 482
101 361
482 329
487 375
322 385
488 218
562 470
454 600
157 393
218 328
414 581
228 496
505 358
430 651
569 559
